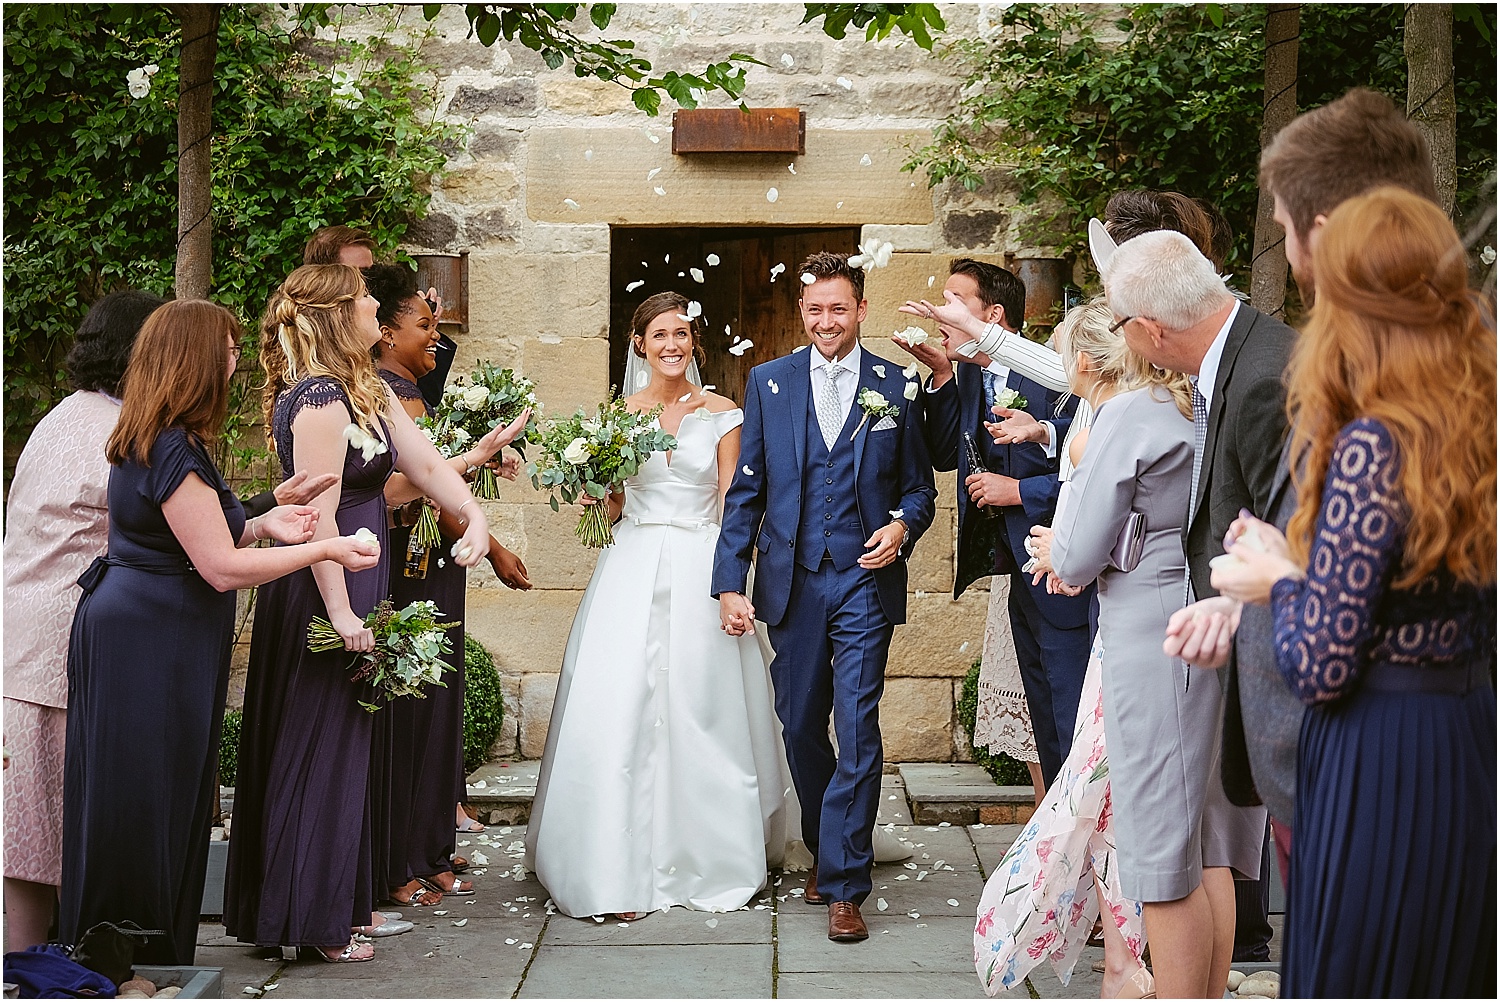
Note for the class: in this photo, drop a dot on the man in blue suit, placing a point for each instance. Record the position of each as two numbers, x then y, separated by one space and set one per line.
1051 632
833 489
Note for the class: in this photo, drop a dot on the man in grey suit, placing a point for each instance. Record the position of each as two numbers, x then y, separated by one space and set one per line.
1157 284
1321 158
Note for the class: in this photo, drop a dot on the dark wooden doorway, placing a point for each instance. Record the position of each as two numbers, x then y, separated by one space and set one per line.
737 293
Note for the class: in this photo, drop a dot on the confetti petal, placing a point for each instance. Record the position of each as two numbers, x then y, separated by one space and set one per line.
772 194
953 902
697 274
711 923
652 173
570 203
588 154
460 923
879 370
911 391
792 168
741 347
635 285
865 160
839 205
777 270
695 308
772 384
787 60
712 259
654 139
882 904
808 278
846 83
748 472
897 513
910 372
930 280
659 190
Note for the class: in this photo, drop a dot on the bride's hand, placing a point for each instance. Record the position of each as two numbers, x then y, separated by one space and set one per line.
736 614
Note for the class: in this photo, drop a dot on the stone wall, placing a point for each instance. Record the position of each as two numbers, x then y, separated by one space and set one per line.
554 162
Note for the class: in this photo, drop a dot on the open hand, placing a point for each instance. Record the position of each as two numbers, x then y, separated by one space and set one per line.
931 354
496 439
1203 633
288 523
300 488
959 324
1015 426
884 545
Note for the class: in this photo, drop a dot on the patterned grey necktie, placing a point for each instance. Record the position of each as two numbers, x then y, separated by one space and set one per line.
829 418
1200 437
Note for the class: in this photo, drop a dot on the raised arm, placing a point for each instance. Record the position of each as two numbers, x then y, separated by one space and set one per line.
1324 623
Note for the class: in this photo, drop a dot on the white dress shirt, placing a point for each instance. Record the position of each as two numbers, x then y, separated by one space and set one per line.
1208 371
848 381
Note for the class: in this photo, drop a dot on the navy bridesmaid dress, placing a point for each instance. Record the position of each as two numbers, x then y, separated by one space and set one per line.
1391 892
300 848
148 672
416 777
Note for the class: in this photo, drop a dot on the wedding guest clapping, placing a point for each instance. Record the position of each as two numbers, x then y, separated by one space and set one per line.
1383 596
148 663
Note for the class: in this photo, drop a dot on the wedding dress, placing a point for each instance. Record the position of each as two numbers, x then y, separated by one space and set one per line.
663 781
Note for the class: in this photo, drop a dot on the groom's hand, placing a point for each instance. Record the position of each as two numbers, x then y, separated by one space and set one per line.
736 614
884 546
991 490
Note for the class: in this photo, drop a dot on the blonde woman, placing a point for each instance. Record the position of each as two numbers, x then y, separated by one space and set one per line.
1041 900
300 870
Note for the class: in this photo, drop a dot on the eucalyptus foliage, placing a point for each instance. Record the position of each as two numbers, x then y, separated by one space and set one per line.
1075 103
307 132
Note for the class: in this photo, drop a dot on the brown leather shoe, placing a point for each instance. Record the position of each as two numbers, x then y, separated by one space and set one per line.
845 923
811 894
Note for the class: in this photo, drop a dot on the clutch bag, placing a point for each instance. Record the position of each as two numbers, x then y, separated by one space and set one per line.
1127 550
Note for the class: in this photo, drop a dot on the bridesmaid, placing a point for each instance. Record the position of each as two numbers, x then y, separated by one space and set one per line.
148 664
300 861
1383 596
417 763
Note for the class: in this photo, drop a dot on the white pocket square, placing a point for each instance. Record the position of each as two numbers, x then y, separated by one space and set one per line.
884 424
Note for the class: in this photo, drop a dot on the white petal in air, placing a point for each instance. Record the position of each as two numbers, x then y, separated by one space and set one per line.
846 83
635 285
777 270
910 392
792 168
570 203
652 173
697 274
741 347
772 194
787 60
684 318
659 190
654 139
865 160
772 384
685 397
910 372
712 259
897 513
879 370
695 309
748 472
726 330
856 260
882 904
930 280
808 278
840 205
588 154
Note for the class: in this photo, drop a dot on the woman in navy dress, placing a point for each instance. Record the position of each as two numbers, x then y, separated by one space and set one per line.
148 664
300 861
416 772
1385 614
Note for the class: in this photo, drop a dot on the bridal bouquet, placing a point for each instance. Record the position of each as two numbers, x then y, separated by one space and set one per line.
489 397
408 654
589 455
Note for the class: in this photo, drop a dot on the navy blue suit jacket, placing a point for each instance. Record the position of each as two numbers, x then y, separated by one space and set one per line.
764 504
958 406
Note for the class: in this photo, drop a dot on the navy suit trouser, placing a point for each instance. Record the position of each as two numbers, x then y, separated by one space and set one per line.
830 659
1053 662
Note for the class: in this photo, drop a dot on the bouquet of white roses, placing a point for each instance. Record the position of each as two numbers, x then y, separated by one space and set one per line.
489 397
408 654
450 440
589 455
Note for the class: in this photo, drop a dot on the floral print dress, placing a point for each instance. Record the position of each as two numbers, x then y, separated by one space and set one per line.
1039 902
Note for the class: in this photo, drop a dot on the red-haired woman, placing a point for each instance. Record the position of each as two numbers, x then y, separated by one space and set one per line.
148 662
1384 604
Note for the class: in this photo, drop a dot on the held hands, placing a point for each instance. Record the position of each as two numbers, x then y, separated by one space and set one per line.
1015 426
884 545
1256 556
1041 554
736 614
1203 633
301 488
286 523
991 490
352 628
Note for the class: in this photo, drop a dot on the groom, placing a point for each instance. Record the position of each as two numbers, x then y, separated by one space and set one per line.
833 488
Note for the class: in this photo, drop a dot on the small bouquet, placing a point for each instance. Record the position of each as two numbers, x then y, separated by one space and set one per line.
589 455
450 440
408 654
490 397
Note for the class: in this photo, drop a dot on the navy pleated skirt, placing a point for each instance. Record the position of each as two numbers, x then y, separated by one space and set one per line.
1392 882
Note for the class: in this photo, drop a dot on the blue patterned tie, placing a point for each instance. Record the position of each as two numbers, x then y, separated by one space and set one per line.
991 391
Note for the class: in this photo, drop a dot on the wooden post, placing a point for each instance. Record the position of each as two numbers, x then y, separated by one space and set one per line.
1268 266
1429 91
195 123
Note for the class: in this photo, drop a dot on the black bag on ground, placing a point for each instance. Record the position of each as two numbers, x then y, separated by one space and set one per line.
108 948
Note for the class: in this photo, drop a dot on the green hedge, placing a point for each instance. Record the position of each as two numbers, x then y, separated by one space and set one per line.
1003 769
229 747
484 704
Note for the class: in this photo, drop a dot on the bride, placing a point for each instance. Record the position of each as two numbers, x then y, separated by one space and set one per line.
662 782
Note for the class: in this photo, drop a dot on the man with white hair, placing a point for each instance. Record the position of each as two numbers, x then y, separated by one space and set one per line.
1174 309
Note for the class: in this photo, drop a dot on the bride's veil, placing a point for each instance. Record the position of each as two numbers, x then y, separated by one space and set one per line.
638 373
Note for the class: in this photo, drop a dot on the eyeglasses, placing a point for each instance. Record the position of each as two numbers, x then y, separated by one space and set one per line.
1114 328
235 352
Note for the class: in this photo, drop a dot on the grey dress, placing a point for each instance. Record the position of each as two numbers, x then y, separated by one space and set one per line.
1161 728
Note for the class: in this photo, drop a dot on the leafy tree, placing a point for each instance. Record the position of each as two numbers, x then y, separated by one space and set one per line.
917 20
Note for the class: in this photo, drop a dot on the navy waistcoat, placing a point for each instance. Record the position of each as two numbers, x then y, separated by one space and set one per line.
830 511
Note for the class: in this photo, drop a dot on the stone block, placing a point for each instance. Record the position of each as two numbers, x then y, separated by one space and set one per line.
831 186
554 557
946 482
437 231
976 229
537 692
893 56
512 96
487 182
906 239
807 57
930 567
1006 814
570 374
490 226
586 96
825 99
919 98
916 719
495 144
887 288
942 637
524 632
565 238
507 744
521 297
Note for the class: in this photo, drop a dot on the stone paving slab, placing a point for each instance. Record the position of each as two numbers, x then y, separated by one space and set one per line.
958 782
897 943
703 971
676 927
879 986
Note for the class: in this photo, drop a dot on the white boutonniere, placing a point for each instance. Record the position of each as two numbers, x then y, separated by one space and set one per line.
1009 398
875 405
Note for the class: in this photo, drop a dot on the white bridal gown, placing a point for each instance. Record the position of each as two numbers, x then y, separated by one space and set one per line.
662 782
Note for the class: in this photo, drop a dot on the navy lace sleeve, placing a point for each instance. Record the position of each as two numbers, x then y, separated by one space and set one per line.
405 389
315 391
1326 625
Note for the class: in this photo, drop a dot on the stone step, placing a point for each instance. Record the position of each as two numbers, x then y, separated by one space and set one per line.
962 793
501 792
